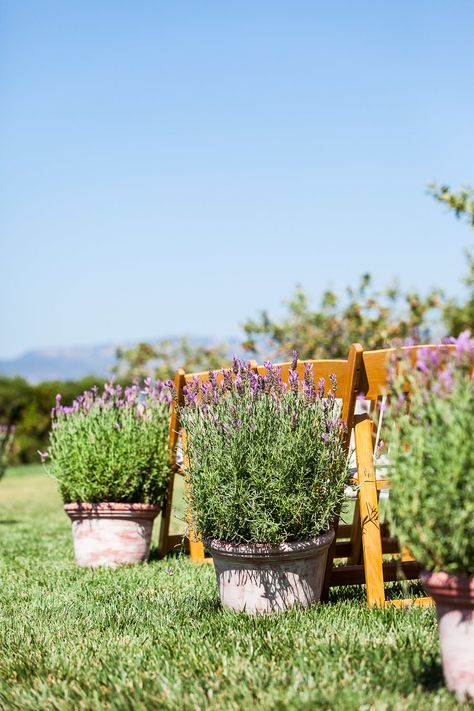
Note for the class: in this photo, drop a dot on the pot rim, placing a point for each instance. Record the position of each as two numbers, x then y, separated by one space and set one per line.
105 505
110 509
448 589
270 551
440 578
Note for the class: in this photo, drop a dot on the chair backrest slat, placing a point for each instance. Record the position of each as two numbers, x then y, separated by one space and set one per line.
373 379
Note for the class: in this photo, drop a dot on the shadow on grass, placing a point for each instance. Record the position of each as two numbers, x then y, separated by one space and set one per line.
430 676
393 591
354 593
8 521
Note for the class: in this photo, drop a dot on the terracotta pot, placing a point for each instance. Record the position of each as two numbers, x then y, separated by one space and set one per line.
454 598
265 578
111 534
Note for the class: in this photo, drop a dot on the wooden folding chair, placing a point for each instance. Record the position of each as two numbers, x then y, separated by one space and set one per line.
346 372
369 539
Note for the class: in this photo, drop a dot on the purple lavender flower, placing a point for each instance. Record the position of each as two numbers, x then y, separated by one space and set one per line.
239 385
321 387
308 383
227 381
465 343
293 380
190 396
253 383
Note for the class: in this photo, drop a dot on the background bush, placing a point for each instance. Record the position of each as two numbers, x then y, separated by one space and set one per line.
432 458
28 408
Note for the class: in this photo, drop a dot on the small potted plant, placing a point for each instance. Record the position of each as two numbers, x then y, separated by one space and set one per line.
266 468
108 453
432 498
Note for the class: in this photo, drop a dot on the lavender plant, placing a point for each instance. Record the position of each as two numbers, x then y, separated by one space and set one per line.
431 439
6 440
112 445
266 460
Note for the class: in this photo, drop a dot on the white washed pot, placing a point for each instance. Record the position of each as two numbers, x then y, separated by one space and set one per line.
264 578
111 534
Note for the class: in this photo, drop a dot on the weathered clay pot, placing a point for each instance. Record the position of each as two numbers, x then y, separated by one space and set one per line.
264 578
454 598
111 534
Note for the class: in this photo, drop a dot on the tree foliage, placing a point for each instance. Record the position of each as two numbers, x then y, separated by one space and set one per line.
460 202
375 319
161 359
28 408
459 317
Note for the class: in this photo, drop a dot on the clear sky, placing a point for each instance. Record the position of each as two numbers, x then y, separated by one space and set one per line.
173 167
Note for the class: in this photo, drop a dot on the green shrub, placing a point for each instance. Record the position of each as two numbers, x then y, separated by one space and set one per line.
112 445
432 456
266 462
6 439
28 408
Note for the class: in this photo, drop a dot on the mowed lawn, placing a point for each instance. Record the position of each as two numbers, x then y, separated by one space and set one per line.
154 636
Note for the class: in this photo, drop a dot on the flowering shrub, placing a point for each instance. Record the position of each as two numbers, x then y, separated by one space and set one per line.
112 445
6 439
266 460
432 455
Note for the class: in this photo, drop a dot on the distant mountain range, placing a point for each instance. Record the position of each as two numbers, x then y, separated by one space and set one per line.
75 363
61 363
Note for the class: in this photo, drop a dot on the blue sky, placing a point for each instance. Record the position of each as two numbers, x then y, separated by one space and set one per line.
174 167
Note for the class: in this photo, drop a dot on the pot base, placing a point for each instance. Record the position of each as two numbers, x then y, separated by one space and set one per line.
262 578
111 534
454 598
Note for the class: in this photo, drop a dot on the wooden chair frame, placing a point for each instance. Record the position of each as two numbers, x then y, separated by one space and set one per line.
370 539
347 373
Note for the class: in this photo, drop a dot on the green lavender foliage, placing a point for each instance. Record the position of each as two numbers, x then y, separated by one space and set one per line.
112 446
432 458
265 464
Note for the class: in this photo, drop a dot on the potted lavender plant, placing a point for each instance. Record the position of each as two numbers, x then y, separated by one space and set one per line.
108 453
266 468
432 497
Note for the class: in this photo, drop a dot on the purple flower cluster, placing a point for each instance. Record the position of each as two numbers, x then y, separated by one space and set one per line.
432 370
115 397
242 379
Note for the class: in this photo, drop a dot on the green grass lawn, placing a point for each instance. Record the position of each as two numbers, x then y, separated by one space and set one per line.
154 636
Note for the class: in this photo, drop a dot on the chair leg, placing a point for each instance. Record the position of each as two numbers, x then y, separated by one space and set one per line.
369 512
329 564
196 549
166 519
371 543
